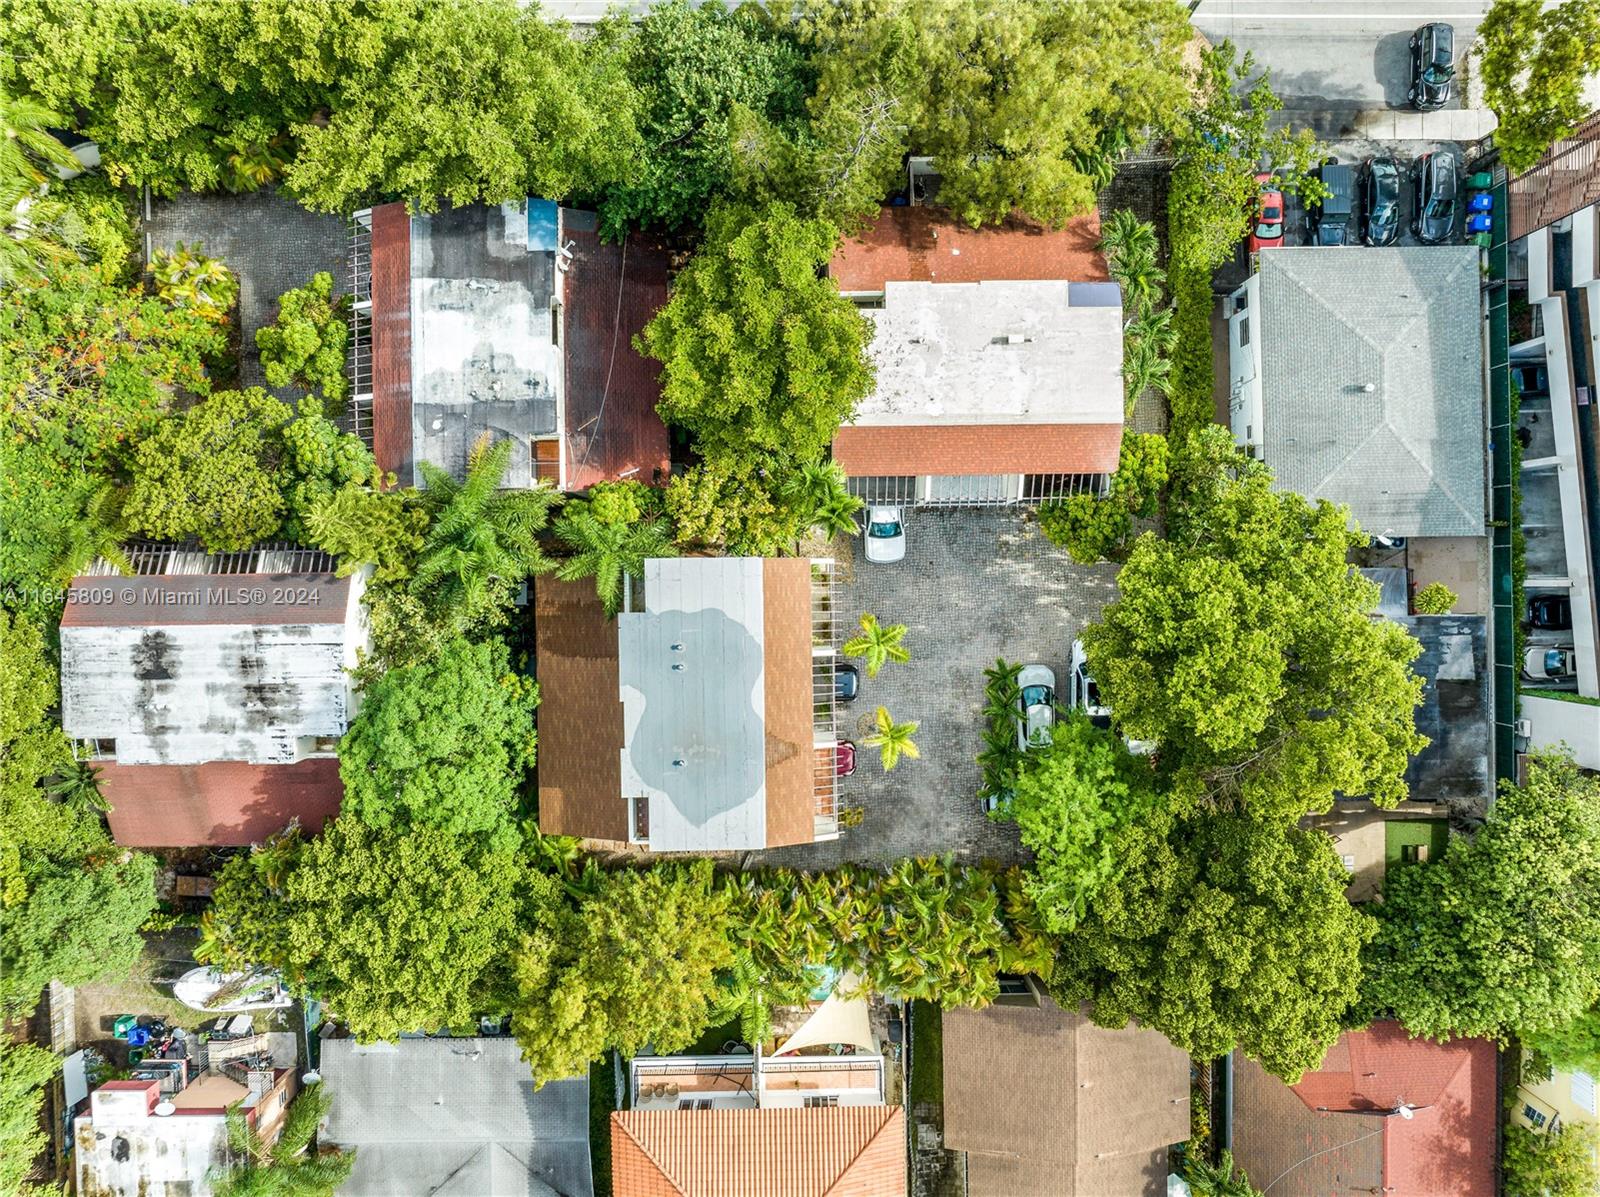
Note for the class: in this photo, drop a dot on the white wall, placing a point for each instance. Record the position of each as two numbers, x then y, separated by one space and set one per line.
1244 363
1575 724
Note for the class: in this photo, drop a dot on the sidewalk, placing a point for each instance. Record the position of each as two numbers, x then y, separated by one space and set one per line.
1448 124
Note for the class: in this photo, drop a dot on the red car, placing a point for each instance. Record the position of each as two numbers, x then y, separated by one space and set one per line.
844 758
1268 230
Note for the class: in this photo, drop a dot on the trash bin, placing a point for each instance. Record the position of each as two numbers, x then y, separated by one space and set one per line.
1481 181
1483 241
124 1024
1481 201
138 1036
1480 223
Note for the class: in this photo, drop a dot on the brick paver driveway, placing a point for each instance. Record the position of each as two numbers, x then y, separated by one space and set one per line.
975 585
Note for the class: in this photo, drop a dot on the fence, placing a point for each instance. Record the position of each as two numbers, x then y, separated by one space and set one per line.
1565 180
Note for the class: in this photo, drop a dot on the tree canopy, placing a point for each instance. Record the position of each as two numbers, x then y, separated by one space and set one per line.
1222 930
762 358
1535 62
442 744
1501 934
1243 644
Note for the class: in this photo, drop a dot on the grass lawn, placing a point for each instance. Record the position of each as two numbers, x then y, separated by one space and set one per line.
1397 833
927 1055
602 1100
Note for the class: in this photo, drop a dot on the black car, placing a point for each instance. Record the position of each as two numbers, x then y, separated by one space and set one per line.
1437 215
1433 66
1550 612
1380 195
846 683
1332 219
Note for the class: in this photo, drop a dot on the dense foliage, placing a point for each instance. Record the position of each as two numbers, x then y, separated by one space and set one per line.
1559 1162
1535 60
305 345
442 744
284 1167
24 1071
1501 934
1093 527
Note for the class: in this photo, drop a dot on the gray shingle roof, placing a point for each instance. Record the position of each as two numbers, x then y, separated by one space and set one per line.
455 1116
1408 455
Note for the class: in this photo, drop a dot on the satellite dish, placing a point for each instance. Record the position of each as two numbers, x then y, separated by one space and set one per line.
165 1109
1405 1111
310 1078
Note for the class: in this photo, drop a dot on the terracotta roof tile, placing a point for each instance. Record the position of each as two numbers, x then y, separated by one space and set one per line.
791 798
838 1151
391 339
579 764
908 449
926 245
612 429
218 804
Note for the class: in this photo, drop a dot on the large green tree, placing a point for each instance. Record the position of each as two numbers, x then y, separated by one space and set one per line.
1072 800
1558 1162
398 929
694 66
24 1071
1535 60
1022 106
1244 645
1500 935
442 744
762 358
1222 930
635 965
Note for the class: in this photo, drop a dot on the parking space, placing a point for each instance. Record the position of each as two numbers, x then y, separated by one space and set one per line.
975 585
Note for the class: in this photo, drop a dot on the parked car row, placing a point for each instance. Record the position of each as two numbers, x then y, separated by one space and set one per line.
1363 204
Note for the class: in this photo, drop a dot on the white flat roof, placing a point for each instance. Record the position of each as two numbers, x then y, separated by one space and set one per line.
996 352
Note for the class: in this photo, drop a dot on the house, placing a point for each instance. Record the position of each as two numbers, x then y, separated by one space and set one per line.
998 355
688 723
1383 1114
512 320
162 1135
213 690
460 1116
1562 1099
1555 224
1358 377
808 1120
1046 1104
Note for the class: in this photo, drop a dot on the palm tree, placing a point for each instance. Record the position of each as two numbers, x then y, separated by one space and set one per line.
25 247
257 1169
894 739
877 644
609 553
1131 249
27 148
1219 1179
478 534
79 785
98 532
819 494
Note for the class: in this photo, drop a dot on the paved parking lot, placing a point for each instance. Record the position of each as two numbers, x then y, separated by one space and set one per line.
975 585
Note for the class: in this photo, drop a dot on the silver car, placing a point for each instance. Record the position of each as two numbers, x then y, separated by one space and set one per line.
1036 705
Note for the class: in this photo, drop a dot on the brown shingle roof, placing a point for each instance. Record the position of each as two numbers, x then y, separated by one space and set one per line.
1447 1146
926 245
218 804
791 801
612 291
1046 1103
838 1151
579 767
907 449
391 339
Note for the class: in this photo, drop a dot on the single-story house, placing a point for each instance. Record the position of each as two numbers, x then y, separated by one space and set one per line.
1046 1104
513 320
688 723
213 691
999 361
454 1116
1385 1113
1358 377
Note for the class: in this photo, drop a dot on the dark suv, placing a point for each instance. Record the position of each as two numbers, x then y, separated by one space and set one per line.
1433 66
1333 219
1380 197
1437 216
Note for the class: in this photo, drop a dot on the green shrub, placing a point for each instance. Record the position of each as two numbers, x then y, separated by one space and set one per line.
1555 1163
305 346
1191 395
1088 527
1434 599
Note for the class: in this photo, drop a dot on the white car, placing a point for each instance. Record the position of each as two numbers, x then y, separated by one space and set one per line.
1549 663
1036 705
1084 695
886 535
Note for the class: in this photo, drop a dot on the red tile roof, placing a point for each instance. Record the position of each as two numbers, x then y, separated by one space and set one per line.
1339 1138
907 449
612 429
184 600
926 245
837 1151
218 804
391 340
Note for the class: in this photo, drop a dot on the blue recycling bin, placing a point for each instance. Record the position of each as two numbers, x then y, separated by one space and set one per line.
138 1036
1481 201
1482 222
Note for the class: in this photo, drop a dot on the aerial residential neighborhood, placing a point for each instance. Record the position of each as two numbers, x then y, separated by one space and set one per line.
863 598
